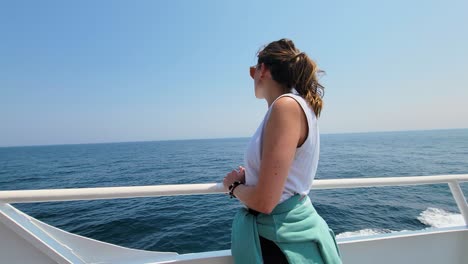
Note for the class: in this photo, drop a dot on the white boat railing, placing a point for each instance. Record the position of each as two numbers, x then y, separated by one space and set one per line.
95 193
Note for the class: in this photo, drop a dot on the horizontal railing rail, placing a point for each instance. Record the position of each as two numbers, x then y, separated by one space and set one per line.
95 193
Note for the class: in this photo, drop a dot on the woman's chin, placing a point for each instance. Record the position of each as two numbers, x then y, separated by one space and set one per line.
259 95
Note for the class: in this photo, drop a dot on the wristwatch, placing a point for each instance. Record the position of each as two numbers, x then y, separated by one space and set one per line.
232 187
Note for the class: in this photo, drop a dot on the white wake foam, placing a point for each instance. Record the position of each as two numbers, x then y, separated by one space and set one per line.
435 217
362 232
432 217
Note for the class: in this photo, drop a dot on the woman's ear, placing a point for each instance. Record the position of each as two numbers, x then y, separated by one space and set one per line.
263 70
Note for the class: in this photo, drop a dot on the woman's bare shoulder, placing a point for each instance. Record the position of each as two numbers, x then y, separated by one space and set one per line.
286 106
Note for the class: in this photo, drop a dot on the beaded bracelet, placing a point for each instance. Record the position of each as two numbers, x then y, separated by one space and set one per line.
232 187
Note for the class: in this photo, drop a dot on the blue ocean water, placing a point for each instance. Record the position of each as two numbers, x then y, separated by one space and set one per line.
197 223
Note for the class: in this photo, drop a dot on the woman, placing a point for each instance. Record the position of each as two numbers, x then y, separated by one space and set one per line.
278 223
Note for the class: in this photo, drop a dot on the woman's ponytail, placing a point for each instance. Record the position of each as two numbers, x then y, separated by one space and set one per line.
304 74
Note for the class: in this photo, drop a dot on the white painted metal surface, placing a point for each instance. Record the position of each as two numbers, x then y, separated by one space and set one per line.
24 239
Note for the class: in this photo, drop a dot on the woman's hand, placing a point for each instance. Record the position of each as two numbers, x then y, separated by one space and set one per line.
235 175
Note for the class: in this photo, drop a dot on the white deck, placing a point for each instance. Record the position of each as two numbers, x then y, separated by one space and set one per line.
24 239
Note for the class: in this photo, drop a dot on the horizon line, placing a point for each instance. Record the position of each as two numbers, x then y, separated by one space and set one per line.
229 137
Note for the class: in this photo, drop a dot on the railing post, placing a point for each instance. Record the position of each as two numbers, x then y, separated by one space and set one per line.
459 199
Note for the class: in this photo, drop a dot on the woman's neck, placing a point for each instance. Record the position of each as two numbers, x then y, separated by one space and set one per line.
275 92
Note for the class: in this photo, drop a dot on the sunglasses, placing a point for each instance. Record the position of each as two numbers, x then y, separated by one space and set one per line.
252 71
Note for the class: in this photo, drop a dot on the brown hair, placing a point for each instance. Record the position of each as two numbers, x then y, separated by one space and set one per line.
294 69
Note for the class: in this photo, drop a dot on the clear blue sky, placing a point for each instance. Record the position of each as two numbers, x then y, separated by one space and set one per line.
107 71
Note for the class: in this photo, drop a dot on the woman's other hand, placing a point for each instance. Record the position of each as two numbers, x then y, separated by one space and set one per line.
234 175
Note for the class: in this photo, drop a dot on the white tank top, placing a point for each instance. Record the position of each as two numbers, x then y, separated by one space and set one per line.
304 166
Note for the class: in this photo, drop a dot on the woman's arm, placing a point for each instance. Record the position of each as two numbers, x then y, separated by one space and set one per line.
280 139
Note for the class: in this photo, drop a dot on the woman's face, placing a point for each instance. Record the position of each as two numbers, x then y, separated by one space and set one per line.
255 73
